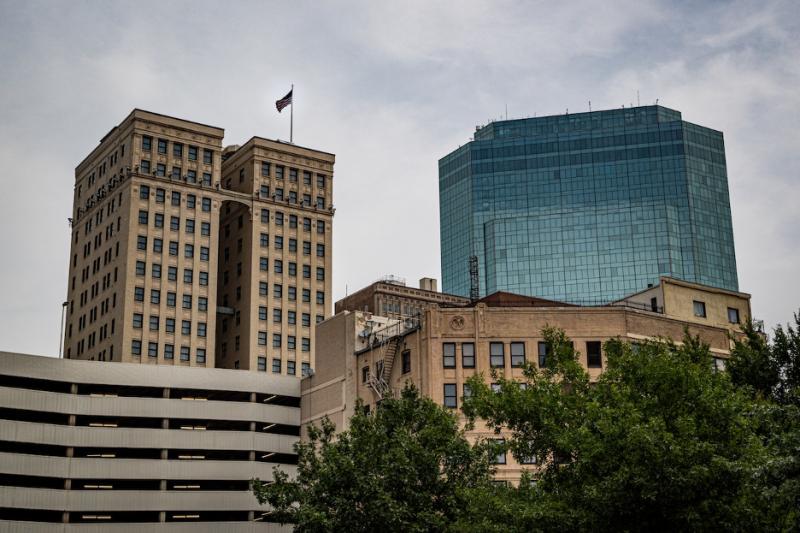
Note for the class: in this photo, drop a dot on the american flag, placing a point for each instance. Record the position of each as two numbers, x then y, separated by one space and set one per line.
283 102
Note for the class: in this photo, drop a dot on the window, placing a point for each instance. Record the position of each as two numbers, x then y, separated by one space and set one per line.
156 271
406 361
176 173
292 293
517 354
188 275
277 315
189 225
205 229
171 299
201 329
305 344
320 274
191 200
449 355
262 364
144 192
204 253
175 198
593 354
699 308
162 146
184 353
147 143
306 320
293 175
733 315
208 156
152 349
262 338
263 288
159 220
263 240
265 216
276 366
497 356
169 351
265 168
173 247
155 296
141 242
138 294
306 369
136 347
174 223
188 251
161 170
306 248
277 290
137 320
279 217
320 297
279 172
206 204
365 374
544 351
203 278
158 246
186 327
290 368
172 273
154 323
160 196
192 153
276 340
278 242
320 250
468 355
320 202
500 458
292 269
145 166
187 301
277 266
201 355
177 149
450 399
306 295
292 245
169 325
143 216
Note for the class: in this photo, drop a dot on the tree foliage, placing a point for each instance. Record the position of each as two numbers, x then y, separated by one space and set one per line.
405 467
660 442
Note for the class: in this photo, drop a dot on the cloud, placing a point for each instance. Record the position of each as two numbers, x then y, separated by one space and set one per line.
390 88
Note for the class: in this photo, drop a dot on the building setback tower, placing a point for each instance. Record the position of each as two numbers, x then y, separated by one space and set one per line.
587 207
177 248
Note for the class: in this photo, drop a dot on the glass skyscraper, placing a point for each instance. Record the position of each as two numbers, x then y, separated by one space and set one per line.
587 207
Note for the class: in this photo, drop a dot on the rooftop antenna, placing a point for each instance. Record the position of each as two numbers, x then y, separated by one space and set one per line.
474 284
637 98
656 101
590 106
567 111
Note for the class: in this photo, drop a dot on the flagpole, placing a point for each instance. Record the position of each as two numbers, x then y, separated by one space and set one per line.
291 118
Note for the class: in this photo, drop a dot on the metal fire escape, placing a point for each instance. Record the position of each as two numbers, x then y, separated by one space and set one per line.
387 341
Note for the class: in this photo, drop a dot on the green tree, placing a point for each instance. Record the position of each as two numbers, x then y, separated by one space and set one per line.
660 442
404 467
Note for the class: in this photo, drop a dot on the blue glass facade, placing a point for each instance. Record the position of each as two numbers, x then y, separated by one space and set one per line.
587 207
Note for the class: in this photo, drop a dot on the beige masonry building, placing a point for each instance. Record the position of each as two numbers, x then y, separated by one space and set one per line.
187 254
362 355
390 297
126 447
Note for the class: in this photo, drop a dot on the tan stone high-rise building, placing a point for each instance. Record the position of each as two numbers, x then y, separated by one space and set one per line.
184 253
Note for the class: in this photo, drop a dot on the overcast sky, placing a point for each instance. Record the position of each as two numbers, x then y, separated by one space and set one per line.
389 87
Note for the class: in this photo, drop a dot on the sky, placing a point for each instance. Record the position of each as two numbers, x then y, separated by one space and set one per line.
389 87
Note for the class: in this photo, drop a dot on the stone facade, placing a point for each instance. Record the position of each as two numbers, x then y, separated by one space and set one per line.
363 356
166 225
